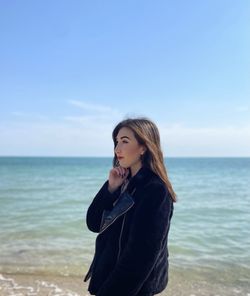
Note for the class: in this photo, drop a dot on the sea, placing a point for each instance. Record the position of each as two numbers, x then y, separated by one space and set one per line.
44 201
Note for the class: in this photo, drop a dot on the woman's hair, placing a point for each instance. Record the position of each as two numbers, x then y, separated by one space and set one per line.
147 134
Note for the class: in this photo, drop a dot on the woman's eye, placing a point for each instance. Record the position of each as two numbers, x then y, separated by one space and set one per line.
122 142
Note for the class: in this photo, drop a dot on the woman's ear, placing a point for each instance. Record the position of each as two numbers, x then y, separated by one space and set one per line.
143 150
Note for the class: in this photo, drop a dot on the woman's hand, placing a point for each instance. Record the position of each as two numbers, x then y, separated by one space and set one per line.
117 176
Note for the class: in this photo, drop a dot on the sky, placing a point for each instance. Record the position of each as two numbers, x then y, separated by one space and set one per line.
71 70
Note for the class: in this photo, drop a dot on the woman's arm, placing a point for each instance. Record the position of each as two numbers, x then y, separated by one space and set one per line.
102 201
148 228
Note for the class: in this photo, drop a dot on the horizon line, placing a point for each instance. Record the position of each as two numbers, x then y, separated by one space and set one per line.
94 156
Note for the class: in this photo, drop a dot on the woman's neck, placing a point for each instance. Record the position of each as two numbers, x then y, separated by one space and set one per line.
134 169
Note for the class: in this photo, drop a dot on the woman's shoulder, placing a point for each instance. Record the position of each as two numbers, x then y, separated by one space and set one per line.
156 184
155 181
154 195
147 182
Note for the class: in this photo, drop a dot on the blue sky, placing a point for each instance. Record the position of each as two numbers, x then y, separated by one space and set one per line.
70 70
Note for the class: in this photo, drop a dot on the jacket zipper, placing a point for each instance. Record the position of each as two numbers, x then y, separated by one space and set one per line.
115 219
117 216
91 266
120 237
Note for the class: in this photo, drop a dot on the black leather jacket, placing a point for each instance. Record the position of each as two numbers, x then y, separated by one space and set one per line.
131 253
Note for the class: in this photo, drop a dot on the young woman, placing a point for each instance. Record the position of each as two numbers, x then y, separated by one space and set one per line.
131 214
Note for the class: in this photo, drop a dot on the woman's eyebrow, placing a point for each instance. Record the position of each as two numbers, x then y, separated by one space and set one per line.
124 137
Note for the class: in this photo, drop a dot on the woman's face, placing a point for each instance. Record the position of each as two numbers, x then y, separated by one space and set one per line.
128 150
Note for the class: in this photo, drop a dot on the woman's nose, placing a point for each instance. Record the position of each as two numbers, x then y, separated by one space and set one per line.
117 148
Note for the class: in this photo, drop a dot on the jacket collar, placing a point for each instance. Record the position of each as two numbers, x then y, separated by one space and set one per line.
125 201
140 178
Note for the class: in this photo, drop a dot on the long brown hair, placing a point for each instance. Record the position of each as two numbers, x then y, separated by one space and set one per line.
147 134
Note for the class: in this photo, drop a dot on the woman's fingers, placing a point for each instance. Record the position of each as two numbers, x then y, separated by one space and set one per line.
121 172
116 172
126 172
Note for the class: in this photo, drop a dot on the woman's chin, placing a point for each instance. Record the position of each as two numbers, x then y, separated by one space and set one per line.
123 165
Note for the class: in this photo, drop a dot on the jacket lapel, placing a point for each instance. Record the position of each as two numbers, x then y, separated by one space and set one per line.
125 201
123 204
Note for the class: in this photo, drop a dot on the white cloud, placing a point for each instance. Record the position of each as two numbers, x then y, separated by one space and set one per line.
94 107
221 141
92 119
94 139
90 135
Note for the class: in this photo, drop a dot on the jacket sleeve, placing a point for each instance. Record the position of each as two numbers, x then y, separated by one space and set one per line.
102 201
148 228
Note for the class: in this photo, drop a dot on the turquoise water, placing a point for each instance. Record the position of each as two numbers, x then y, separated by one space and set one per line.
43 204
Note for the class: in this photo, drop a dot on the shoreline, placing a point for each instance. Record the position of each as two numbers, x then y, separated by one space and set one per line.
42 285
180 284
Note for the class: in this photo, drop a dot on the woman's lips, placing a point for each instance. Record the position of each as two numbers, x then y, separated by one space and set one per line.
120 157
